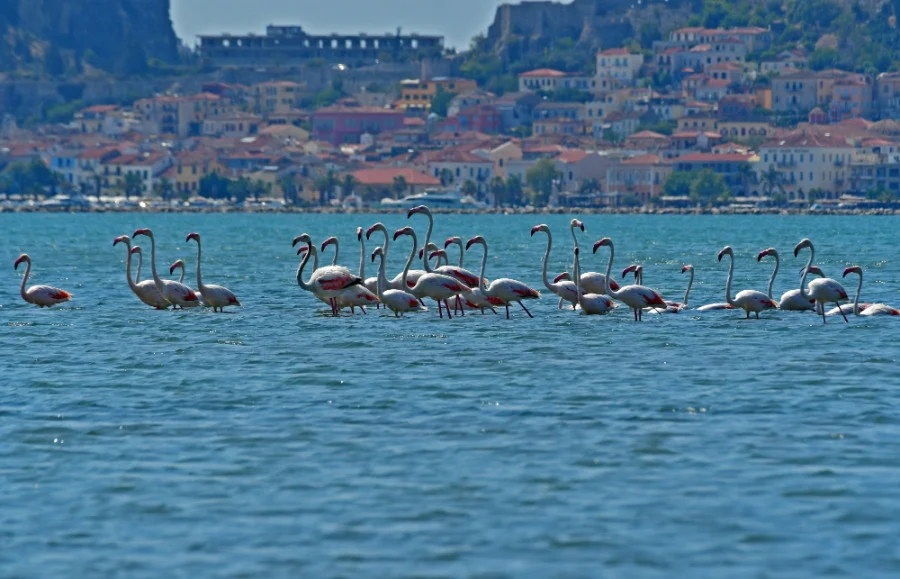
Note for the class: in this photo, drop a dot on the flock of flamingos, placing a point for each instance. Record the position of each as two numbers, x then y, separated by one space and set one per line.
589 292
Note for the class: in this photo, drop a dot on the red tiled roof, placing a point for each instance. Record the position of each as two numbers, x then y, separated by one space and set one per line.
101 109
572 155
642 160
542 72
615 52
714 158
649 135
385 176
356 110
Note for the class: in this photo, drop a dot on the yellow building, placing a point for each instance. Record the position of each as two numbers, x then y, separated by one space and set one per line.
190 168
418 94
277 97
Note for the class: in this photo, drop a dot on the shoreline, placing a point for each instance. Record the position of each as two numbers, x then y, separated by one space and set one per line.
508 211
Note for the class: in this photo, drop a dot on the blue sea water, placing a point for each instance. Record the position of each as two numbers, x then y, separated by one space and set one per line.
274 440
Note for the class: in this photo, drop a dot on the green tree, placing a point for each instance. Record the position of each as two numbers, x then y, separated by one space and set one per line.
541 178
678 184
441 101
514 190
707 187
214 187
446 177
399 187
325 185
133 184
469 187
240 189
498 190
54 65
771 181
288 188
164 189
348 185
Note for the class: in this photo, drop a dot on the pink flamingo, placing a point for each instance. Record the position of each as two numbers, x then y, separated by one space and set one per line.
326 282
145 290
398 301
44 296
590 303
636 297
872 309
823 290
175 293
436 286
506 289
214 295
747 300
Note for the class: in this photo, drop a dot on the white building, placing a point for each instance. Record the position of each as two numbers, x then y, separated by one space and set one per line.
620 64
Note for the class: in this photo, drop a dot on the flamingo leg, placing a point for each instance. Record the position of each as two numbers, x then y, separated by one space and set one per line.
447 307
757 315
493 310
507 311
526 310
363 310
823 312
842 312
440 312
462 307
560 304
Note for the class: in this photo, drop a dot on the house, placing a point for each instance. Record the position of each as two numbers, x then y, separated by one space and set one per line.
463 165
483 118
231 126
620 64
785 62
418 94
500 156
516 109
469 99
549 80
65 162
887 94
622 124
641 177
192 166
736 169
92 120
339 124
276 97
646 141
147 166
805 159
382 179
851 98
558 126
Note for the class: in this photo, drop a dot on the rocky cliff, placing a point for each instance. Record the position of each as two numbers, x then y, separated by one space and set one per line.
54 37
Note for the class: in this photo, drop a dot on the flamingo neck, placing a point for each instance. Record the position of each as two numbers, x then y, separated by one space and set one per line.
137 275
25 279
427 239
577 272
199 280
131 284
774 273
481 284
409 260
616 294
181 277
382 278
462 252
858 291
728 281
687 292
337 250
362 258
574 239
803 293
156 279
303 285
544 277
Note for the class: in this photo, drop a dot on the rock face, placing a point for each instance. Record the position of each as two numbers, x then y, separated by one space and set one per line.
112 35
595 23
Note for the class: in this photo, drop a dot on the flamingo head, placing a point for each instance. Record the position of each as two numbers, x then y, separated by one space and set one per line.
576 223
765 253
176 265
121 239
854 269
359 233
803 243
377 227
438 253
303 250
633 268
602 243
577 251
194 236
726 251
23 257
136 250
329 241
816 270
541 227
688 267
376 252
403 231
474 240
302 238
419 209
421 252
451 240
144 231
563 276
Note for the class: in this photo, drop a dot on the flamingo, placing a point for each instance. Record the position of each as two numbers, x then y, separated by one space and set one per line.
637 297
44 296
872 309
747 300
332 241
145 290
790 300
214 295
566 290
398 301
413 275
590 303
370 283
460 273
591 281
672 307
174 292
325 282
506 289
475 299
823 290
436 286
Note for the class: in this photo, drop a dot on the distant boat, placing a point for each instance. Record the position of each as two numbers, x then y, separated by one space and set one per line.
435 200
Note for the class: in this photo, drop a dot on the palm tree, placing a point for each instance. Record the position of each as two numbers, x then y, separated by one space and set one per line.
498 190
400 186
348 185
747 174
771 181
288 188
469 188
164 189
446 177
514 190
132 184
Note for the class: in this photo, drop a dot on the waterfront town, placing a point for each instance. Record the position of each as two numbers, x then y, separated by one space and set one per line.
723 128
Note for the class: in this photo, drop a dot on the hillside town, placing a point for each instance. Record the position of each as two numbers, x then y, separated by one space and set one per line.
720 128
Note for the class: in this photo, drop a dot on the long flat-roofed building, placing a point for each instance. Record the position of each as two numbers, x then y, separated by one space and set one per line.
291 45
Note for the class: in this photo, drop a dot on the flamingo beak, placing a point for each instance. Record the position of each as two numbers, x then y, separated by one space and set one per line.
413 211
684 269
469 243
296 241
447 243
581 225
359 233
762 254
535 229
597 245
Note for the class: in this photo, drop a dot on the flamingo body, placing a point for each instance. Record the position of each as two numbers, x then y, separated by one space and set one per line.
44 296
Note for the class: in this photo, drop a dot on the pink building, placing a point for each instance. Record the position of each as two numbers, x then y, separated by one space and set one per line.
342 124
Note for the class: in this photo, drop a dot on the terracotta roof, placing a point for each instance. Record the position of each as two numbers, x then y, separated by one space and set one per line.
714 158
101 109
543 72
458 155
337 109
642 160
572 156
615 52
649 135
385 176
